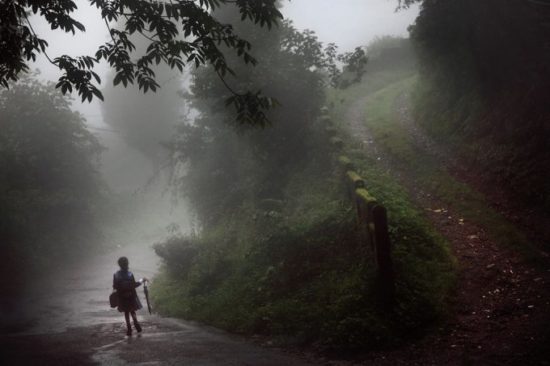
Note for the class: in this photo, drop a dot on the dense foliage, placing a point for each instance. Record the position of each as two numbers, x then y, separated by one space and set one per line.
224 167
49 185
484 87
244 182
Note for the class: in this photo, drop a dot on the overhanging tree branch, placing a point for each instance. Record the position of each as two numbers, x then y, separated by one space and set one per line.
171 21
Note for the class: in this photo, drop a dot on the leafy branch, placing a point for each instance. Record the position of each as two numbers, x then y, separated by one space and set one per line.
180 33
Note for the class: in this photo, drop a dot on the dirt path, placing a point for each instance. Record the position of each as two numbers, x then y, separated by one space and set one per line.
500 310
533 221
67 321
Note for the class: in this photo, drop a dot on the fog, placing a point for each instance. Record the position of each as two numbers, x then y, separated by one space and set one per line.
133 164
348 23
354 181
125 168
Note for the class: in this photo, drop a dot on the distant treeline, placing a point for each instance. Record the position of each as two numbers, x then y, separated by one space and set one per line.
485 72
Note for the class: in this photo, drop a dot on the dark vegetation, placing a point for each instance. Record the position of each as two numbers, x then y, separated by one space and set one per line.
399 146
50 190
277 252
483 88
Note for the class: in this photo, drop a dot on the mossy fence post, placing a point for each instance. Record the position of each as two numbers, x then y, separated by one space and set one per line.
371 218
372 222
383 255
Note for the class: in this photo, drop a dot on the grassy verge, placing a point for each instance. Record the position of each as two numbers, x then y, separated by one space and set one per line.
390 135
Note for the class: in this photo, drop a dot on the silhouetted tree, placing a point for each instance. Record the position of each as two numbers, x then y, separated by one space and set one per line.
49 185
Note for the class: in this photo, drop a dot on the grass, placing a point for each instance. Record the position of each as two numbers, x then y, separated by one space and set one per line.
339 100
300 276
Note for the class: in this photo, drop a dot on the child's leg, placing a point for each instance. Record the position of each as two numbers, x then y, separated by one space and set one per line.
136 324
128 325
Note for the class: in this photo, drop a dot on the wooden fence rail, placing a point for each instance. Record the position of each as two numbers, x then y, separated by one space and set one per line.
372 221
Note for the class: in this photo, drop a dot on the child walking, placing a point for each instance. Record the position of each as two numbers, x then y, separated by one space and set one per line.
128 302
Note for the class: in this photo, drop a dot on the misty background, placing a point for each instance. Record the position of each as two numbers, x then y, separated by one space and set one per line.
133 159
132 127
396 199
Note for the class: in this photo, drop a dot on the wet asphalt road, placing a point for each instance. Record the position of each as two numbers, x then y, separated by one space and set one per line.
67 321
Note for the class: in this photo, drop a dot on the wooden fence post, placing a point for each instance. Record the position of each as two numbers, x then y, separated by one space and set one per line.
368 202
372 222
383 255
